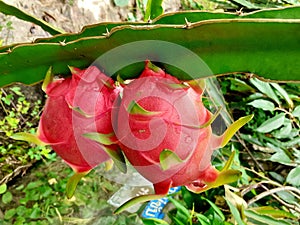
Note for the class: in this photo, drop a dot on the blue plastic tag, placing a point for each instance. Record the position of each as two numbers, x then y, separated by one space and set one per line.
154 208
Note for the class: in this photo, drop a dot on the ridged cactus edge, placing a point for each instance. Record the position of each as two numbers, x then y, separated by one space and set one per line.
267 47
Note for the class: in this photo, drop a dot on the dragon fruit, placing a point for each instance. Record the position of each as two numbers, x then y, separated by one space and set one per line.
76 106
164 130
76 122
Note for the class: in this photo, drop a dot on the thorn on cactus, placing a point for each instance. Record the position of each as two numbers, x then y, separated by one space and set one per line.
107 33
187 23
62 43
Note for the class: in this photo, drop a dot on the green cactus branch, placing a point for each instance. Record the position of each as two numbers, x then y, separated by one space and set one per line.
266 47
13 11
168 18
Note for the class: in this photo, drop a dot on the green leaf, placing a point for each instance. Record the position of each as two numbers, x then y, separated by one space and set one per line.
276 213
215 208
281 157
72 183
236 204
225 177
178 221
13 11
169 159
7 197
3 188
287 196
285 131
9 214
35 213
183 211
260 218
153 221
296 112
265 88
34 185
262 104
293 177
153 9
121 3
239 85
203 219
136 200
283 94
235 213
233 128
31 138
271 124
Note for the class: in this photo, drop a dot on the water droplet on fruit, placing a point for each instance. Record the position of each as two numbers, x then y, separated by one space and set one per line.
188 139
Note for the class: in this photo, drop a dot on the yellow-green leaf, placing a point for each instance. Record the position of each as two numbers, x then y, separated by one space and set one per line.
136 200
105 139
168 159
48 79
233 128
73 182
31 138
135 109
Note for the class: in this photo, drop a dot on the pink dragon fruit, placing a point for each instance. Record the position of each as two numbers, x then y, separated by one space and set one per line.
164 130
76 122
76 106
